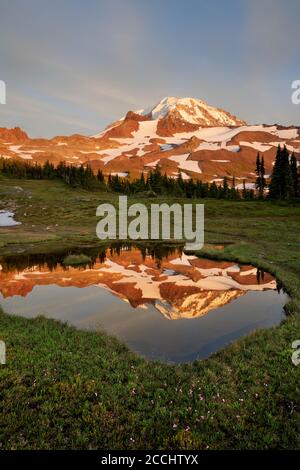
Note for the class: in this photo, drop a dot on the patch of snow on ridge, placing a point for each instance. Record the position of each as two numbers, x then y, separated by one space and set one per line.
163 107
25 154
146 129
153 164
256 145
287 133
233 148
7 219
185 164
208 146
187 117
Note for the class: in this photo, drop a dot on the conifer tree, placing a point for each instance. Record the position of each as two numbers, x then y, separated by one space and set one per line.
281 186
275 185
295 176
260 182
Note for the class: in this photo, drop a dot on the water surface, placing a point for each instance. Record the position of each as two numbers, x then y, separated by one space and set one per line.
172 307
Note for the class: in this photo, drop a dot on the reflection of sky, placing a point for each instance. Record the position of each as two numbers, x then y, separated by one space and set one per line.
144 329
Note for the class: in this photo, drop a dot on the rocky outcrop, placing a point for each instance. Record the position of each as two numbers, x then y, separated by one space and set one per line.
13 135
173 123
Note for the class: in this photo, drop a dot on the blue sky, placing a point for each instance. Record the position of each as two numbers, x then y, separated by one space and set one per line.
73 66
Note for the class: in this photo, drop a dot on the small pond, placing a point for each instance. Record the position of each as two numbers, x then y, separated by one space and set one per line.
162 303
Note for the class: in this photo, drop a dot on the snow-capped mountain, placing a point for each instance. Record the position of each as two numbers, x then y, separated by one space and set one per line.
183 135
183 113
193 111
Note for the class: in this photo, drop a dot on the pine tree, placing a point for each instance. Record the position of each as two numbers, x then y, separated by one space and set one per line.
244 191
275 185
225 188
286 175
281 186
262 175
257 171
295 176
260 182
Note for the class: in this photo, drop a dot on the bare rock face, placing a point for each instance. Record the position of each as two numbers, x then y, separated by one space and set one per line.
172 123
123 130
13 135
131 115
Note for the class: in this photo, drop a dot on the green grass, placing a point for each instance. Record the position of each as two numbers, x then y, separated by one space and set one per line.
63 388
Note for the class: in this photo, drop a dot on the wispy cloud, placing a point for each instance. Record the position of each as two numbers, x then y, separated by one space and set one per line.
74 66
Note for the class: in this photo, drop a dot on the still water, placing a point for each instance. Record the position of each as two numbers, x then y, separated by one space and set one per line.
164 305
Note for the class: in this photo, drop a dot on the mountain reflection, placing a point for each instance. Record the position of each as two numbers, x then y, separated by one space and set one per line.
175 284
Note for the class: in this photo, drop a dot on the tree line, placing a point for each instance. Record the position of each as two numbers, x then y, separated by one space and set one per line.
284 181
154 183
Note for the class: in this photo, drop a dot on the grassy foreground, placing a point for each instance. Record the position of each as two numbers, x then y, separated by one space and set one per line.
63 388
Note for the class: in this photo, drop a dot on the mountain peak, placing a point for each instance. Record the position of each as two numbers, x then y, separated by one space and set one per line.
193 111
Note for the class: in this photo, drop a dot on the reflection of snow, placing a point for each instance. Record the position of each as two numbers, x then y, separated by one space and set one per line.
182 287
120 173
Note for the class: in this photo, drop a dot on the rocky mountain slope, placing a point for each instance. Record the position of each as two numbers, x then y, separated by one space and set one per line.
177 135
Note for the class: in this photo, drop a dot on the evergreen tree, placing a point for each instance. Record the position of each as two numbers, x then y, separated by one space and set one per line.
262 175
281 186
275 185
260 182
295 176
225 188
286 175
244 191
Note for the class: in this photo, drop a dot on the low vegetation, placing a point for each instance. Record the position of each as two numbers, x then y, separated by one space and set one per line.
62 388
